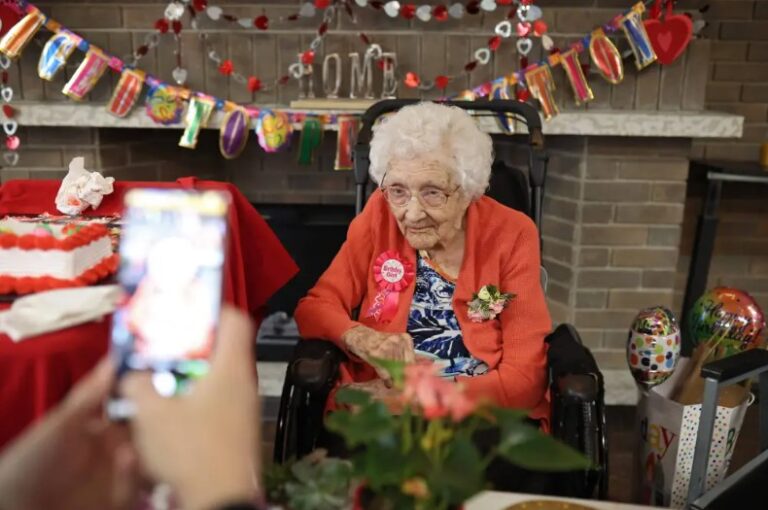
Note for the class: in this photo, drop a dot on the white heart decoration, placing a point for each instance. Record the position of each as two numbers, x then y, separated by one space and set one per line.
504 29
362 3
424 13
456 11
375 52
5 62
11 158
180 75
296 70
483 55
307 10
524 46
392 9
699 25
546 42
533 13
7 94
488 5
10 127
214 12
245 22
174 11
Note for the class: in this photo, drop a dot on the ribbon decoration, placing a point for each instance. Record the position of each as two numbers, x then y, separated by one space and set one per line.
638 39
347 137
126 92
198 113
17 38
55 54
542 85
86 76
234 133
393 274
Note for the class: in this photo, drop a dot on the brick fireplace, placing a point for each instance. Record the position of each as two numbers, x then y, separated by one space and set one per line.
620 204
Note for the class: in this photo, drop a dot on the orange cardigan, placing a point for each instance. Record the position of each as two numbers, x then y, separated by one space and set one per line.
501 248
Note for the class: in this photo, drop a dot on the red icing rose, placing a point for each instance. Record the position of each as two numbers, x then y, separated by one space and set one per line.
68 244
45 243
8 240
25 285
6 284
27 242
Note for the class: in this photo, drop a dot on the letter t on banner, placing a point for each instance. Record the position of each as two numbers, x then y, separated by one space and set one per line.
638 38
541 85
581 91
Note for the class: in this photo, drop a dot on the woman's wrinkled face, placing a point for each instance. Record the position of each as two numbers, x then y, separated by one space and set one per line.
424 225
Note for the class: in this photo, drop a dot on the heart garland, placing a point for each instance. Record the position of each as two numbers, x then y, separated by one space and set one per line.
669 36
10 124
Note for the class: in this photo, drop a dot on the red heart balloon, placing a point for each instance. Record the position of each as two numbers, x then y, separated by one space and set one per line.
669 37
412 80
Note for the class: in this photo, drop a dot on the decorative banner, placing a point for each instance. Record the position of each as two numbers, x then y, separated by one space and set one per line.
86 76
606 57
500 90
126 93
572 67
311 136
17 38
273 129
164 104
55 54
198 113
234 133
633 27
348 129
541 84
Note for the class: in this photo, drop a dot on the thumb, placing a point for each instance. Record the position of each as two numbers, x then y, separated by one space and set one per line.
138 388
234 344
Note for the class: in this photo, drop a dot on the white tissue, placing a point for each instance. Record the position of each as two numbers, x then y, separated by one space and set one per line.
81 189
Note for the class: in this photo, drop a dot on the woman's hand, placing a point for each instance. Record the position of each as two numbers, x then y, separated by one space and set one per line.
379 390
369 343
205 443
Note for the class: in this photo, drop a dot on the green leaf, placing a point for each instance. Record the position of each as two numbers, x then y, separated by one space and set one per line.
460 476
395 369
353 397
530 448
370 423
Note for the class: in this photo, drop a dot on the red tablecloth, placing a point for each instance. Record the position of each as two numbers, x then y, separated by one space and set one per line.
36 373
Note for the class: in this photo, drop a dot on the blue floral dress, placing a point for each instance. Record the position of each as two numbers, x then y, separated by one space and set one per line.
434 327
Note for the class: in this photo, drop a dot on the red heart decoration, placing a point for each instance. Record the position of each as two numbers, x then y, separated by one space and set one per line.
308 57
408 11
669 37
322 4
494 43
162 25
261 22
200 5
412 80
441 82
9 16
440 12
12 142
9 111
254 84
540 27
522 95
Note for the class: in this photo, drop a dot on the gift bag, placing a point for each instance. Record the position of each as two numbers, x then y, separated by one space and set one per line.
668 432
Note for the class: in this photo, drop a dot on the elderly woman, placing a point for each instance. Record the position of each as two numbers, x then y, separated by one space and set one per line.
425 244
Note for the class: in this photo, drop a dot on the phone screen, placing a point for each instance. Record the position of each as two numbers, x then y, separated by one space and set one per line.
172 253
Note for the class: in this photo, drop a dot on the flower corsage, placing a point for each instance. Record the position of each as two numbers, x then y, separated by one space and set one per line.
487 303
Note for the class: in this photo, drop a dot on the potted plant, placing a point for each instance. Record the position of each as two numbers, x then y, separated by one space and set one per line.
418 451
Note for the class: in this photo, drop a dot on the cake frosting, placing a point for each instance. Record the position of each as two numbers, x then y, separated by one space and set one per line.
37 256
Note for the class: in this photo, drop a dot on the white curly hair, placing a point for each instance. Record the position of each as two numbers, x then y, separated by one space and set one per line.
445 133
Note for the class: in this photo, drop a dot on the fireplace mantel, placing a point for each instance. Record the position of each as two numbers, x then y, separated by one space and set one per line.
682 124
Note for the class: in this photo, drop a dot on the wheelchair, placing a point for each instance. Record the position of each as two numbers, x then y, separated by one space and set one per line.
576 384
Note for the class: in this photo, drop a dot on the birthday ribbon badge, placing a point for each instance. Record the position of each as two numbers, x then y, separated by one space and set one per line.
393 274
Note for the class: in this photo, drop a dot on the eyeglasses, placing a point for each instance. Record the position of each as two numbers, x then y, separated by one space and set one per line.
429 197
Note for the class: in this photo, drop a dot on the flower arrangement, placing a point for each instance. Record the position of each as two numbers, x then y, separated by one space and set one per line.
419 450
487 303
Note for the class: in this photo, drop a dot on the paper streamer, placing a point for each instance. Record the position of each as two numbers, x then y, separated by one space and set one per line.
164 105
55 54
348 129
572 66
198 113
500 90
541 85
17 38
311 136
606 57
638 38
86 76
126 93
234 133
273 129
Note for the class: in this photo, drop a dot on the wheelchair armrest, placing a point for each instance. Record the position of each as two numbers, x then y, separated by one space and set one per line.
578 387
315 365
737 367
567 355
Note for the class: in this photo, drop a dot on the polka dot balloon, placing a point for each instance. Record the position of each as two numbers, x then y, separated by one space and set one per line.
653 346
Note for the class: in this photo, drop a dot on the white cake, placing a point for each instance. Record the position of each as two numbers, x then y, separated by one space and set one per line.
37 256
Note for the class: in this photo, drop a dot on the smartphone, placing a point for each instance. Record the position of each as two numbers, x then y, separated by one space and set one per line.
172 253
